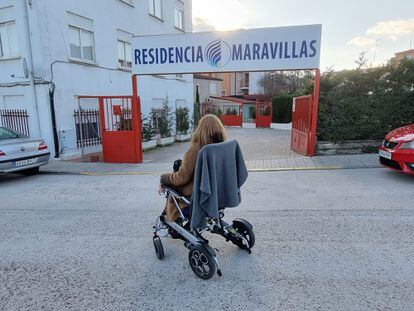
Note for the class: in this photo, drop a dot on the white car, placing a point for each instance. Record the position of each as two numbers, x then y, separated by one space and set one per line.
19 153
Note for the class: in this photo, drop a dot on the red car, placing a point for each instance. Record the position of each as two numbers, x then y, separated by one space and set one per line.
397 150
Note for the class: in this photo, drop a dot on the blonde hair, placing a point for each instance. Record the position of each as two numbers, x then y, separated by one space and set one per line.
209 130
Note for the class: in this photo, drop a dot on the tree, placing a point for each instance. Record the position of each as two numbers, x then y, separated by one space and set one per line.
196 110
277 82
362 60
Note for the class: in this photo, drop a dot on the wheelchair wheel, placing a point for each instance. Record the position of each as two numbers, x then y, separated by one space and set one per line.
244 228
202 262
159 250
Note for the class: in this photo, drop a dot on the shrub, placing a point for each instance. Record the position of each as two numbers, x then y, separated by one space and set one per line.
163 120
182 120
216 111
266 111
231 112
366 104
282 108
254 112
147 129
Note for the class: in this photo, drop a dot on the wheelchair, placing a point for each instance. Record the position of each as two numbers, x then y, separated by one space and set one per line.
202 257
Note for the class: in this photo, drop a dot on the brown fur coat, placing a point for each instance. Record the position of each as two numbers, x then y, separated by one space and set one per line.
182 180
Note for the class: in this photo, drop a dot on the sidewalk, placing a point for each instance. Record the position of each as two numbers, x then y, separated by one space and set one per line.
263 150
299 163
318 162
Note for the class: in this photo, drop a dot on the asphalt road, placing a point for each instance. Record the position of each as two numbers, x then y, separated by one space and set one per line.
325 240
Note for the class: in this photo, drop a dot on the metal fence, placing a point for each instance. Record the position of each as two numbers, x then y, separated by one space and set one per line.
15 119
156 116
221 109
88 128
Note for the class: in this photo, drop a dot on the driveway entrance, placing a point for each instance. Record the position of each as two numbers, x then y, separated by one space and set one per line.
263 144
256 144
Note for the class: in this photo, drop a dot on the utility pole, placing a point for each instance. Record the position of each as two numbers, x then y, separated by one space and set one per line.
32 73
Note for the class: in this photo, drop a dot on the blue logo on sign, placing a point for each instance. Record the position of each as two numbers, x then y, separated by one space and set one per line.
218 53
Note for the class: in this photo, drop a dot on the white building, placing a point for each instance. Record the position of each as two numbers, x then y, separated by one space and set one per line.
83 48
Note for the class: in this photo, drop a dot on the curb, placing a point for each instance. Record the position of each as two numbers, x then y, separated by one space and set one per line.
312 168
253 170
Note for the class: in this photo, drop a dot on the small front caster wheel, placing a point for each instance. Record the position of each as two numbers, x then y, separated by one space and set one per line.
202 262
159 250
245 229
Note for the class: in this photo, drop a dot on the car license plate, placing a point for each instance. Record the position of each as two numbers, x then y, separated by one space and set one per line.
386 154
25 162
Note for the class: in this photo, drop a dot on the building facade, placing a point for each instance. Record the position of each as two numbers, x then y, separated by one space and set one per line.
242 83
207 85
52 52
409 54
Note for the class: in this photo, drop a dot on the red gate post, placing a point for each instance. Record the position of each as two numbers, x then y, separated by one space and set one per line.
257 117
314 113
102 119
137 122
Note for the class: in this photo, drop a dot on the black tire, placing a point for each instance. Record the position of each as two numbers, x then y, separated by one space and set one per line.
159 249
31 171
202 262
244 228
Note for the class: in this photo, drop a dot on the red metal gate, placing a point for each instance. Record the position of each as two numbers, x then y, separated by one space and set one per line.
301 124
263 114
305 121
121 129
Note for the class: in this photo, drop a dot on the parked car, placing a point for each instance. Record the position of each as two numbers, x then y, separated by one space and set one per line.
397 150
19 153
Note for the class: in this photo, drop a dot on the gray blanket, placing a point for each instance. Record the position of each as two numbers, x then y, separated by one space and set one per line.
219 173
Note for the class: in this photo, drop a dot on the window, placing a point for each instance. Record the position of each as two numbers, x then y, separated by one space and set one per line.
8 40
155 8
213 89
124 54
81 44
179 18
9 134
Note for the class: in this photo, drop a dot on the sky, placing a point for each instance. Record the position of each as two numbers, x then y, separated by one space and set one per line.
378 27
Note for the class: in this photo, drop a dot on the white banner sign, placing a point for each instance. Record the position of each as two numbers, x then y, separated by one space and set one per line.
262 49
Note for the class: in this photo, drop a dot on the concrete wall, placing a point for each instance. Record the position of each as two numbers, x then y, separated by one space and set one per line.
108 19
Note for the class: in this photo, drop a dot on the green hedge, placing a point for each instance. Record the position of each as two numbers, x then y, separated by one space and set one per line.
366 104
282 108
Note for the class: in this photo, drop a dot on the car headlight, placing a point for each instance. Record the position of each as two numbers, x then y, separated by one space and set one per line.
409 145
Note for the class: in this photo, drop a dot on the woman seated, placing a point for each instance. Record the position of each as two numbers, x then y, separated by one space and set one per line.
210 130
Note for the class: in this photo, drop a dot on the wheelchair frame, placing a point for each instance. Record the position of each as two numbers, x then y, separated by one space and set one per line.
193 238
